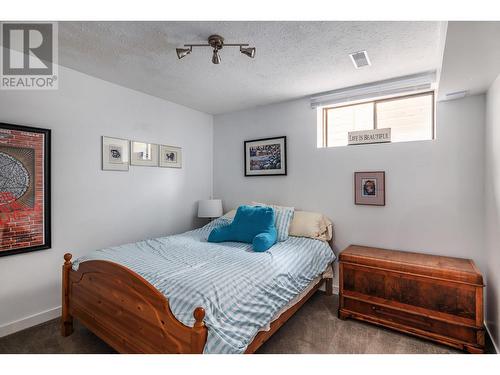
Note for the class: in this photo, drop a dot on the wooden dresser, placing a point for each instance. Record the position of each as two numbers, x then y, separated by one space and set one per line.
434 297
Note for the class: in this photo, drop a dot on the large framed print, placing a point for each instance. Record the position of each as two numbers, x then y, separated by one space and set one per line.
265 157
24 189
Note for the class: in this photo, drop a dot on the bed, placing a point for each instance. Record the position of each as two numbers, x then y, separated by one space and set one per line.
182 294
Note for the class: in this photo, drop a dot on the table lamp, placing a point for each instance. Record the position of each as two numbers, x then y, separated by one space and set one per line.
210 208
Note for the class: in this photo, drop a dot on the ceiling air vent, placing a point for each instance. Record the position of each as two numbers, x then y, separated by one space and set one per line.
360 59
456 95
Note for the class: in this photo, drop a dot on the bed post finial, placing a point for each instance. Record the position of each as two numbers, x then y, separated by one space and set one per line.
199 331
199 315
67 258
66 318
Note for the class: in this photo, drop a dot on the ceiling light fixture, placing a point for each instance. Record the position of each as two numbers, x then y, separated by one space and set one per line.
216 42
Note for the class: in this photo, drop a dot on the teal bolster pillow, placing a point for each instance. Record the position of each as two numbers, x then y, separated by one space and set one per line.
251 224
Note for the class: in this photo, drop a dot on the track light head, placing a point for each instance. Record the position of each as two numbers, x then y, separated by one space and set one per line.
216 57
249 51
183 52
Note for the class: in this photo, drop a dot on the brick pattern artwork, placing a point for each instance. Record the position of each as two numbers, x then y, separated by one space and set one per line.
21 189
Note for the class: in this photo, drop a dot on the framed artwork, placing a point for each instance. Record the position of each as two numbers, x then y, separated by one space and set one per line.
265 157
24 189
115 153
145 154
369 188
170 156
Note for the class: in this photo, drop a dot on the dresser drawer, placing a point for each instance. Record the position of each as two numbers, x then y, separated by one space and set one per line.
396 318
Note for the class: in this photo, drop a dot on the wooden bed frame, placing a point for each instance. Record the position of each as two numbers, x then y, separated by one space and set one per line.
132 316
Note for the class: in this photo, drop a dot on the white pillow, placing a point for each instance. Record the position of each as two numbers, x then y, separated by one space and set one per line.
312 225
283 218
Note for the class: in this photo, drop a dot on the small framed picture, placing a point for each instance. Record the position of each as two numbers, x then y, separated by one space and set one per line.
170 156
265 157
115 153
369 188
143 154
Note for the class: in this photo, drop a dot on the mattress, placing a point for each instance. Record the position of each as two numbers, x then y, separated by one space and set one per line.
241 291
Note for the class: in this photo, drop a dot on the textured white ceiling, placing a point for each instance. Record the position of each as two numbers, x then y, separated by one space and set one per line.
471 57
293 59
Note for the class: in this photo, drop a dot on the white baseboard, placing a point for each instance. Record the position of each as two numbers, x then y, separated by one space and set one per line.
30 321
494 344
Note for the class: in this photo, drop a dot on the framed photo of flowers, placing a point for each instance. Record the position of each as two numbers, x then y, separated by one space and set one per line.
369 188
24 189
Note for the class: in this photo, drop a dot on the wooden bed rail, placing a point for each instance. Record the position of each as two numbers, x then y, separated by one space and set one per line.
125 310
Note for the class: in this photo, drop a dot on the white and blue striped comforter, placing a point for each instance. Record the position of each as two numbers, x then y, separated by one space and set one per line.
240 290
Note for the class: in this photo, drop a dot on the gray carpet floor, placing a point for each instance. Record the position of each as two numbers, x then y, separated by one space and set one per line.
314 329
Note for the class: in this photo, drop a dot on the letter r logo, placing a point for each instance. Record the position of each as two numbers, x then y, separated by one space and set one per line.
28 48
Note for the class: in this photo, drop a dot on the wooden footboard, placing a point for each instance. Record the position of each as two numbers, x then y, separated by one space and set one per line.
125 310
132 316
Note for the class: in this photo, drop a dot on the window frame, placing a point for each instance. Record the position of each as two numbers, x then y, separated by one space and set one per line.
375 102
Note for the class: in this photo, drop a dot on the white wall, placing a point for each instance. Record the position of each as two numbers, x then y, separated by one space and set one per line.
434 189
92 208
492 208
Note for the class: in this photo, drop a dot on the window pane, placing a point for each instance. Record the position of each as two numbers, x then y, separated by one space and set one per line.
410 119
345 119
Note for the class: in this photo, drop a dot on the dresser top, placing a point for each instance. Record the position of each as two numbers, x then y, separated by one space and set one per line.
458 269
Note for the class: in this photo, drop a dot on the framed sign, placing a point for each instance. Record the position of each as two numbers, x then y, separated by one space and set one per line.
361 137
369 188
24 189
170 156
265 157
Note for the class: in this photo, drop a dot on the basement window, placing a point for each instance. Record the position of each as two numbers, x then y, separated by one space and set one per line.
410 118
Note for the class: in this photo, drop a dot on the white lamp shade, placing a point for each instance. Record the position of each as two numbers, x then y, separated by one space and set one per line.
210 208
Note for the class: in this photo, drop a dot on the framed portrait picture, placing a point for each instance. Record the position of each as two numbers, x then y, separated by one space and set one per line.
369 188
24 189
145 154
170 156
265 157
115 153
